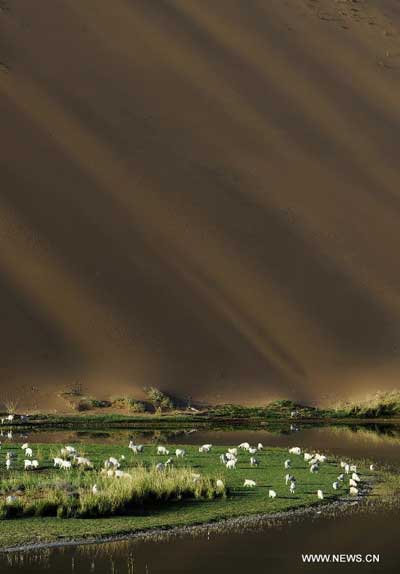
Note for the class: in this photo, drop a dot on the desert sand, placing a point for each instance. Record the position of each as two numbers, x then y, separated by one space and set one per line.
202 196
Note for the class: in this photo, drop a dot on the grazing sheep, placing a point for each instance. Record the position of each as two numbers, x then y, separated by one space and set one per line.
342 464
233 451
340 477
162 450
27 464
295 450
35 464
66 465
25 445
28 452
57 461
292 487
353 483
289 478
307 456
347 468
205 448
355 477
136 448
169 462
223 459
249 483
353 490
353 468
336 485
288 463
314 468
253 461
230 456
271 494
320 494
10 418
179 453
260 446
244 446
231 464
82 461
219 484
371 467
252 450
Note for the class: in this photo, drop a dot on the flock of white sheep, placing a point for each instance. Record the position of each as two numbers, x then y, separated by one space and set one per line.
70 458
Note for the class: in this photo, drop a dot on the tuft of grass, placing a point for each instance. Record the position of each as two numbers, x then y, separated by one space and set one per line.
41 494
380 405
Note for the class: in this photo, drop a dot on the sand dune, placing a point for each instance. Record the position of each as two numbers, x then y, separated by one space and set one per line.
200 195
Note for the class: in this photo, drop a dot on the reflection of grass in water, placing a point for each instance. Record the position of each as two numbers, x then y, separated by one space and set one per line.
240 501
368 435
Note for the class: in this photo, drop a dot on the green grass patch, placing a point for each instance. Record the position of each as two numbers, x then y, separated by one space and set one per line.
153 499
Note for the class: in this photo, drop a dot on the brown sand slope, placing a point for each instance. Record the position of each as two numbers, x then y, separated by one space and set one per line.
204 196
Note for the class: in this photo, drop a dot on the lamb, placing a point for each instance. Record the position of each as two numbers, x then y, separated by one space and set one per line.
271 494
249 483
231 464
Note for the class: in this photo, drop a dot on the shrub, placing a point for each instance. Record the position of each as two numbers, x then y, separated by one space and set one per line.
158 399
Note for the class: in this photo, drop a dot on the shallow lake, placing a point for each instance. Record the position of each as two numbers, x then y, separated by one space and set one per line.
269 549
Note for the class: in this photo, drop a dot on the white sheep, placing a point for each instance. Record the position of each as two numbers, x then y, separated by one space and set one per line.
249 483
347 468
353 483
66 464
371 467
160 466
244 446
288 478
8 464
287 463
353 490
340 477
307 456
205 448
219 484
180 453
162 450
320 494
260 446
292 487
57 461
95 490
314 468
27 464
35 463
28 452
253 461
231 464
335 485
271 494
355 477
295 450
252 450
233 451
25 445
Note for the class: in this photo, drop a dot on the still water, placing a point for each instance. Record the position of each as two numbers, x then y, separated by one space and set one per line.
269 549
